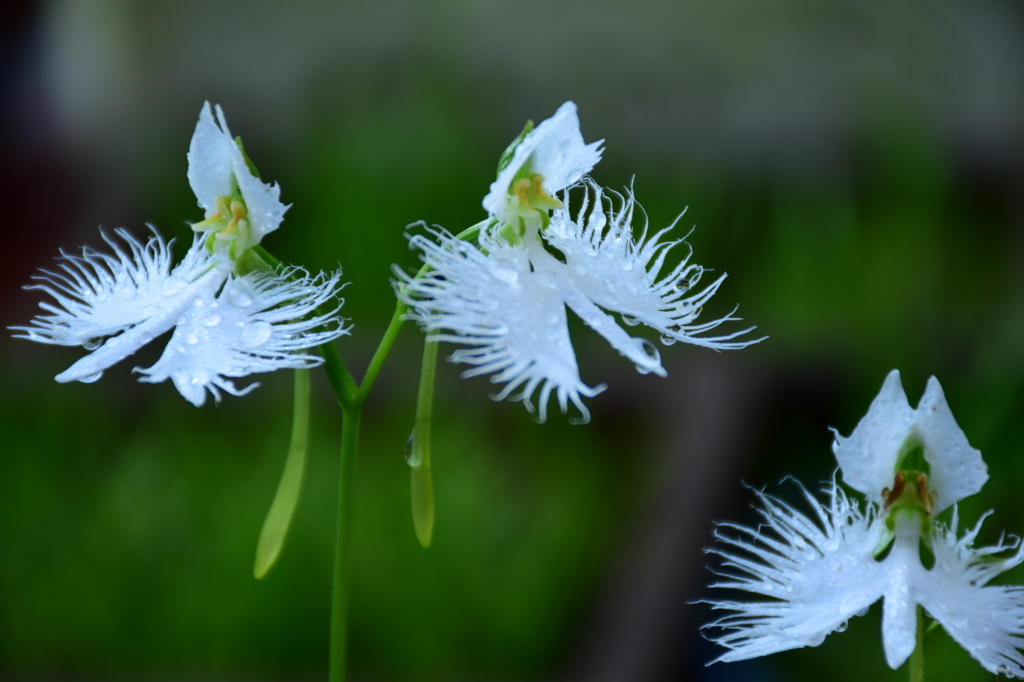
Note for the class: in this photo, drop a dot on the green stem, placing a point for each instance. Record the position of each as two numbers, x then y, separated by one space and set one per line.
419 457
343 543
381 354
917 658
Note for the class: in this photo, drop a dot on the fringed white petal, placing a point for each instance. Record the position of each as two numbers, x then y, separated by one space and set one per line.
869 456
623 274
816 571
513 320
642 352
213 157
987 621
258 323
554 149
98 294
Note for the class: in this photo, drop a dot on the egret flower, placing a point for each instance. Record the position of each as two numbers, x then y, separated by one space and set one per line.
819 570
505 297
232 315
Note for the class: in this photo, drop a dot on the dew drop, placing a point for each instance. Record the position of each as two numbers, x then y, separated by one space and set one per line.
862 612
240 297
192 339
93 344
650 349
173 285
630 320
92 378
408 449
198 303
256 334
211 321
842 626
667 340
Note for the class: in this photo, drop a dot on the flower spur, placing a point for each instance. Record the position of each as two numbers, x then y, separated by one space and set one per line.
819 570
506 296
232 315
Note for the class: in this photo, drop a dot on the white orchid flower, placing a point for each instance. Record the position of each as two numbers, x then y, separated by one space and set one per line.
227 322
820 570
547 160
506 296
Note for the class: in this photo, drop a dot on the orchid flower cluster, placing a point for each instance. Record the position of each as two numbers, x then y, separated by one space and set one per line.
816 571
500 290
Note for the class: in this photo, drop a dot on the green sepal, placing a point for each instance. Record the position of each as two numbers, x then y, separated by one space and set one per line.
506 156
289 490
250 261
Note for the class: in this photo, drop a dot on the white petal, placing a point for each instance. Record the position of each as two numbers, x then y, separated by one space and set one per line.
213 157
642 352
986 621
119 347
262 200
99 294
258 323
818 571
903 573
870 455
209 161
556 150
957 469
512 319
620 273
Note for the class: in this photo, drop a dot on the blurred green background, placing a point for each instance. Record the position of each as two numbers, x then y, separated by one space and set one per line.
856 166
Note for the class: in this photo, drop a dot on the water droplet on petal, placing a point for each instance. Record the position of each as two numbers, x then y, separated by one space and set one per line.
256 334
630 320
92 378
862 612
173 285
240 297
842 626
211 321
650 350
93 344
192 339
667 340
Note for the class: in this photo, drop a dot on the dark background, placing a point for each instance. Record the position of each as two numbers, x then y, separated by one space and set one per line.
857 166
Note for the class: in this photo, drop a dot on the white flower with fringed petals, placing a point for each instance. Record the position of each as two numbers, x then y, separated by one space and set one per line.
228 323
505 297
817 571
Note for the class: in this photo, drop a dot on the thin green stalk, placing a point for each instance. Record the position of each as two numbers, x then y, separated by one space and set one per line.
917 658
343 543
381 354
419 456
